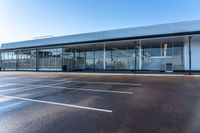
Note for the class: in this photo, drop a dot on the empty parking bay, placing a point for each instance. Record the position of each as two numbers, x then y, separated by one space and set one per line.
73 102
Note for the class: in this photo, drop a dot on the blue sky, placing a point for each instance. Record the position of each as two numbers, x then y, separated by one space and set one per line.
26 19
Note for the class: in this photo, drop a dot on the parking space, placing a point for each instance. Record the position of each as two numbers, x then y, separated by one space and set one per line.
81 102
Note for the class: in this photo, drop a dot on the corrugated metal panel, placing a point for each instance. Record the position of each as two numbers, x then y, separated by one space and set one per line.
188 26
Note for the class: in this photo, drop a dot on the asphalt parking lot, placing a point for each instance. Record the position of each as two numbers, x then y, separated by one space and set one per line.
98 103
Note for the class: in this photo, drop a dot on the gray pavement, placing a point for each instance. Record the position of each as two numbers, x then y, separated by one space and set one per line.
39 102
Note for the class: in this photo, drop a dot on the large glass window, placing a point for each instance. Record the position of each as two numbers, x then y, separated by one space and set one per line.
178 61
156 47
26 59
108 59
90 54
161 53
146 55
21 60
58 59
8 60
167 52
99 56
167 47
80 57
131 56
50 59
69 59
33 57
120 55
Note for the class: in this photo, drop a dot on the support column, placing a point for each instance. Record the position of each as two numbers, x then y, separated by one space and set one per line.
85 57
94 56
140 56
62 59
37 60
190 58
135 56
16 60
104 56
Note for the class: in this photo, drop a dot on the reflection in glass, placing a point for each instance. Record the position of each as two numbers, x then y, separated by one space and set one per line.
99 56
149 54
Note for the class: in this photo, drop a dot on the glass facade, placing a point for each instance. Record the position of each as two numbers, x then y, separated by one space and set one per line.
9 60
79 59
26 60
50 59
120 56
146 55
99 56
69 59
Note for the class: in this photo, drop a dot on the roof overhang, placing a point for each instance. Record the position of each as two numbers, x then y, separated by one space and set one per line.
152 31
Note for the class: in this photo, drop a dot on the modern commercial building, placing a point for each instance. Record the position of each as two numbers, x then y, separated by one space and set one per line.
171 47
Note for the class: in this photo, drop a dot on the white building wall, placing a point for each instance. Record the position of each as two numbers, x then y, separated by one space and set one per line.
195 55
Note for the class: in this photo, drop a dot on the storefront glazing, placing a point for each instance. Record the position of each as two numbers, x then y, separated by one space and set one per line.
145 55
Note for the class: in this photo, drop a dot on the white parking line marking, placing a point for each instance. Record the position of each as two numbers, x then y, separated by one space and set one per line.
60 87
133 74
55 103
67 81
35 80
108 91
92 82
58 83
24 81
3 85
11 77
16 90
115 83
